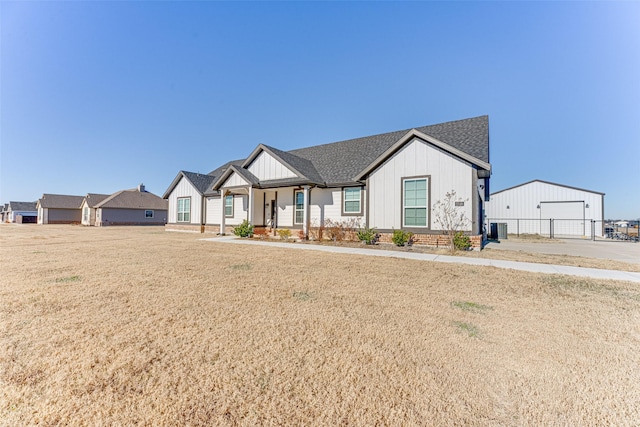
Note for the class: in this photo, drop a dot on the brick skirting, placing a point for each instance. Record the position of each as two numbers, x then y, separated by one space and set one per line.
435 240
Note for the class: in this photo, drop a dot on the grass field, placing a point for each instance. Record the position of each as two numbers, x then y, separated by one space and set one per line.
138 326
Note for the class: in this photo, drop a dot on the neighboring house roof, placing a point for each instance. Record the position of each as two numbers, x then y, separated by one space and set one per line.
60 201
133 199
547 182
93 199
22 206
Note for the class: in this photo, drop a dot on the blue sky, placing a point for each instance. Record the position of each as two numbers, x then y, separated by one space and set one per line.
101 96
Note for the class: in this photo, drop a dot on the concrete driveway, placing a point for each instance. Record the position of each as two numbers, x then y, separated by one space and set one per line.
609 249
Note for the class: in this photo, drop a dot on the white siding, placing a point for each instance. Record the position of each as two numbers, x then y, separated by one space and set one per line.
285 207
235 180
523 202
326 203
240 208
266 167
417 158
214 210
185 189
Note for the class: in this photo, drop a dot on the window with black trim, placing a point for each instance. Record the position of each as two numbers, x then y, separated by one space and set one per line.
414 202
228 205
352 200
148 213
298 207
184 209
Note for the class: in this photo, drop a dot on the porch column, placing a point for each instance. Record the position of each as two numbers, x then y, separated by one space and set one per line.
222 225
306 191
250 206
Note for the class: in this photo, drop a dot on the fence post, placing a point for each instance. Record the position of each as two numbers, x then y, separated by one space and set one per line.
518 226
593 230
551 228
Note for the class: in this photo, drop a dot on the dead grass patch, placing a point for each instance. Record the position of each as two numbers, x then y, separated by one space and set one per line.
160 329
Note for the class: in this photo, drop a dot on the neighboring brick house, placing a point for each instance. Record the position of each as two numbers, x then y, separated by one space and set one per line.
131 207
389 181
59 209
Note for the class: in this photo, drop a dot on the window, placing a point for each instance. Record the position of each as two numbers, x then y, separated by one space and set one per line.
228 205
298 201
148 214
85 212
184 209
351 200
414 209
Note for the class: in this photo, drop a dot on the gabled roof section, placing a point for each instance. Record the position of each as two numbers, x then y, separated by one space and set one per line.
133 199
60 201
414 133
92 199
244 174
21 206
550 183
199 181
340 162
298 165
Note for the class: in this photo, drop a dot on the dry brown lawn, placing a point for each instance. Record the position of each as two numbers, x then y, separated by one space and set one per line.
138 326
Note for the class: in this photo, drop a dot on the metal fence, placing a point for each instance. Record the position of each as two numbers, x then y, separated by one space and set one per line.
560 229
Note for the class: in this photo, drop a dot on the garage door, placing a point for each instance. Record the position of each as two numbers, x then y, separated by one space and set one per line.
568 218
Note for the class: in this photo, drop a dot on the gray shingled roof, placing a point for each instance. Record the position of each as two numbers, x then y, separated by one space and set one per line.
301 164
93 199
134 199
22 206
61 201
217 173
200 181
340 162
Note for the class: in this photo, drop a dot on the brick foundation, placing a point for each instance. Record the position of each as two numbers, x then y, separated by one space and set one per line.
435 240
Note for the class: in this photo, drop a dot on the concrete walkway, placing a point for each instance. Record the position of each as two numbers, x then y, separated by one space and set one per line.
595 273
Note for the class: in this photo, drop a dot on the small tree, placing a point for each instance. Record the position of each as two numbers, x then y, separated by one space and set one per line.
450 218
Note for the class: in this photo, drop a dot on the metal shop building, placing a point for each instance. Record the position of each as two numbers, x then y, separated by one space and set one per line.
548 209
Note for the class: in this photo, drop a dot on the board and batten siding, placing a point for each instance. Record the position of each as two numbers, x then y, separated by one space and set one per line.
417 159
185 189
214 210
326 204
266 167
235 180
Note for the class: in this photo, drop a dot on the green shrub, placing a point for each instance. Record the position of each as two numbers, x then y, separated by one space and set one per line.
461 241
401 237
285 234
243 230
367 235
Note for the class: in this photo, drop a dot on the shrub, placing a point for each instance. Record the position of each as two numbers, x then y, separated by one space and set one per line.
316 231
285 234
401 237
342 230
243 230
461 241
367 235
